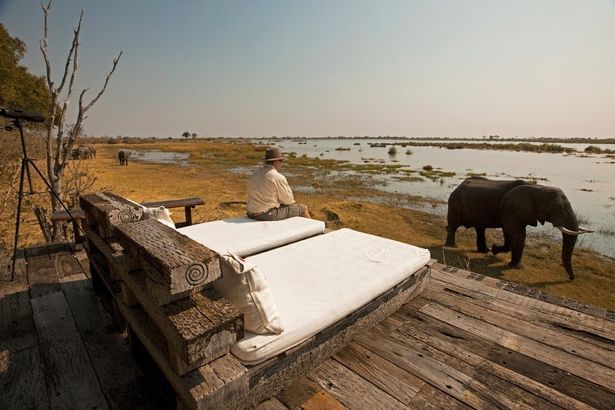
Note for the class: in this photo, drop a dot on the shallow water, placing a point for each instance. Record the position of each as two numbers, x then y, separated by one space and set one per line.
587 181
160 157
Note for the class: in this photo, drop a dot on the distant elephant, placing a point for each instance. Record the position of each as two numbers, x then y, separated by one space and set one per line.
123 157
475 204
81 152
92 151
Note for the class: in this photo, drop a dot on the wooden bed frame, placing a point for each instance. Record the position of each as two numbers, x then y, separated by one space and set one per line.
161 280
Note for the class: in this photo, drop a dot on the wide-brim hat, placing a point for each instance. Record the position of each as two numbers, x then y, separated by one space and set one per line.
273 154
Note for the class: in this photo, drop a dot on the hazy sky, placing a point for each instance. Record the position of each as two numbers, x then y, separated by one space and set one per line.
414 68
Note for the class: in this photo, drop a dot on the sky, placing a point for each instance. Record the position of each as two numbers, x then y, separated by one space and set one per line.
456 68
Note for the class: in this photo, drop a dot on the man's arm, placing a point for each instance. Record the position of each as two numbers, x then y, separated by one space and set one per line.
285 194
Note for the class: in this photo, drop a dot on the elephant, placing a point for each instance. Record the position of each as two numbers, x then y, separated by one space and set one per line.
474 204
123 157
529 204
82 152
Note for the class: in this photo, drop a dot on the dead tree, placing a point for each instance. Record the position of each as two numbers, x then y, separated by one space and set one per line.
59 145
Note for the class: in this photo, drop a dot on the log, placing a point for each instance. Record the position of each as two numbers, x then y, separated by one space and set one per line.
175 264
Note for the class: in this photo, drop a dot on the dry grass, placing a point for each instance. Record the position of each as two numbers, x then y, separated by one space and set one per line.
208 177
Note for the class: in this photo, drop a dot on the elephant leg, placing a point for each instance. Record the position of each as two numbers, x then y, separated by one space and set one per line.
450 236
481 242
495 249
453 220
517 244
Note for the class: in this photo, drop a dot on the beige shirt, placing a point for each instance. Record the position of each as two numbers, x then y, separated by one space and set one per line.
267 189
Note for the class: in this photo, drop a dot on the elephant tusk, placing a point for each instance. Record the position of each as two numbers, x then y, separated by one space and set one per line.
569 232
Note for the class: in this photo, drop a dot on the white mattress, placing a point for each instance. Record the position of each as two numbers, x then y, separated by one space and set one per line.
320 280
244 236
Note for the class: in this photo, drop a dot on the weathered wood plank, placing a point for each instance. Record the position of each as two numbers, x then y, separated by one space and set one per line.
298 392
491 352
88 313
440 375
271 404
350 389
65 264
550 321
69 375
42 277
322 401
17 329
528 291
380 372
588 370
499 390
122 382
600 325
22 382
431 398
455 345
511 322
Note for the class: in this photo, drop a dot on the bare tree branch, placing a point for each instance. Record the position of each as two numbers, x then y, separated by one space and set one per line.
45 45
72 54
100 93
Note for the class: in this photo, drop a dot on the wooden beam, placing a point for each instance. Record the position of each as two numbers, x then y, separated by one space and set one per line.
174 263
70 377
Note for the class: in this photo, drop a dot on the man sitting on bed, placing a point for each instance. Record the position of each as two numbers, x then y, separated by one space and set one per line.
269 196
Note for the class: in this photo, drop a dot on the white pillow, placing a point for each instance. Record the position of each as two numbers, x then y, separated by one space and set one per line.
245 286
161 214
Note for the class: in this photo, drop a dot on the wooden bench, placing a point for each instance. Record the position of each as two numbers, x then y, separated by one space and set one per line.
76 215
161 283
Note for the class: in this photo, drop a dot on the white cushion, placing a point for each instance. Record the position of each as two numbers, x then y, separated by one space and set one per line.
244 236
161 214
320 280
245 286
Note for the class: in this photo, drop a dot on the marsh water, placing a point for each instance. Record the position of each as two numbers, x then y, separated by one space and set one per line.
588 181
160 157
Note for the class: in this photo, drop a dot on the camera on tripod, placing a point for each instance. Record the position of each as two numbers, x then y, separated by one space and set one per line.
22 115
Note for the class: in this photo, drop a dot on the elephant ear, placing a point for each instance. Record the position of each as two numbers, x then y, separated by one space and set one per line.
547 204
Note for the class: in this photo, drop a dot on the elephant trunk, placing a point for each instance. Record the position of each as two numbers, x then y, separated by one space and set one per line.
566 221
568 242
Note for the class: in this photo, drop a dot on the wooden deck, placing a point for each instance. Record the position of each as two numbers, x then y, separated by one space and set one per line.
467 342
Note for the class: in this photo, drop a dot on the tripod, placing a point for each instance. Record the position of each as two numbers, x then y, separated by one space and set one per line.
17 117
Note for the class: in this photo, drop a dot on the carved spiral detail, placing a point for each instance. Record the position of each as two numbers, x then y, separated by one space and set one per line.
196 274
127 215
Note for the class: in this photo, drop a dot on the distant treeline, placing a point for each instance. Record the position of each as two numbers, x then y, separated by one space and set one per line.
545 140
520 147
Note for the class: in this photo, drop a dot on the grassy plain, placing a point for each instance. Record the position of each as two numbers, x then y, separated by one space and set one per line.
217 172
